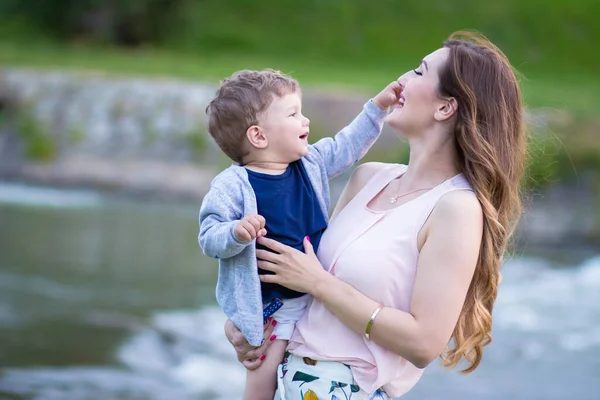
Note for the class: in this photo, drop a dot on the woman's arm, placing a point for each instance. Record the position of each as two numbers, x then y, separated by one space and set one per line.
447 261
357 181
252 357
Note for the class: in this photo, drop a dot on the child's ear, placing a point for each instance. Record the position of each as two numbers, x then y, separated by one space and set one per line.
256 136
446 109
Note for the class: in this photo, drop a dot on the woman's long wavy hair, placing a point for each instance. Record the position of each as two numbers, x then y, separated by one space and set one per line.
490 139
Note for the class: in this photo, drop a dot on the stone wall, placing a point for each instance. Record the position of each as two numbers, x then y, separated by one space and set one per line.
134 134
103 116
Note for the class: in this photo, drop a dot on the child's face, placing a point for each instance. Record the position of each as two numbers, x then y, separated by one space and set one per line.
286 128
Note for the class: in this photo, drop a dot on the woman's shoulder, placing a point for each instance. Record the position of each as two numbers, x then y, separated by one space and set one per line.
458 215
458 205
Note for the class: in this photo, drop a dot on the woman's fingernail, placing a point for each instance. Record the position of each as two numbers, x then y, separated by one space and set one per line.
269 319
273 337
307 238
262 357
274 323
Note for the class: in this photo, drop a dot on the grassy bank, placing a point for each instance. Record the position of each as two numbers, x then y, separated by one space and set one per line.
359 46
536 34
348 45
565 149
576 92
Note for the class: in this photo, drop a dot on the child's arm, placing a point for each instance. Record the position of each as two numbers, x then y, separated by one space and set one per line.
224 232
352 143
218 219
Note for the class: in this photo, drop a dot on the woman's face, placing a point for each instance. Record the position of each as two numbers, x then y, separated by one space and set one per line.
420 101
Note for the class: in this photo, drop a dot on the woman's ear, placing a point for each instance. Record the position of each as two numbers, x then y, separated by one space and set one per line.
446 110
256 136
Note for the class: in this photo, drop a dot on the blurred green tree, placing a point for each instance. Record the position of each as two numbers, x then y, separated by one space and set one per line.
126 23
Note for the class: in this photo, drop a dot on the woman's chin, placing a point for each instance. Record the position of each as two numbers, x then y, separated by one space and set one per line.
394 119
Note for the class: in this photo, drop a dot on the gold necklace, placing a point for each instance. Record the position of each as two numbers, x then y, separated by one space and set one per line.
398 196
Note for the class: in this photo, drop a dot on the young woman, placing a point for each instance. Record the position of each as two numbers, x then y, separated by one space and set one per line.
411 258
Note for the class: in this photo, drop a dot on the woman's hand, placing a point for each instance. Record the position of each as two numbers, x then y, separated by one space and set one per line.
293 269
251 357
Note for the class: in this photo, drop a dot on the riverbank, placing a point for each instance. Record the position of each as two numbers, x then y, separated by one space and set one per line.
146 138
135 135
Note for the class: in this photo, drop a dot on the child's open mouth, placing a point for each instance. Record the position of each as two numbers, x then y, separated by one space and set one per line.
304 136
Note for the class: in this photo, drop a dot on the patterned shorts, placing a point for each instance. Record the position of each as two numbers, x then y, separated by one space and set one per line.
302 378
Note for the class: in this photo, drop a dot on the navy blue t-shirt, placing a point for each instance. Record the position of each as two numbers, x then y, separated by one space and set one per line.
292 211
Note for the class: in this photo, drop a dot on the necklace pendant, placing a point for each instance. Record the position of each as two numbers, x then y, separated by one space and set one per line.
393 200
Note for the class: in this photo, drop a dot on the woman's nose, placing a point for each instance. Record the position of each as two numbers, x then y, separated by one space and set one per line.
403 79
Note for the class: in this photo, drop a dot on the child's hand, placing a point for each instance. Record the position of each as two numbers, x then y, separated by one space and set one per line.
250 227
388 96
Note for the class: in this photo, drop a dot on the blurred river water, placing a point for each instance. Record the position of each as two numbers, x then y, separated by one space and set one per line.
109 298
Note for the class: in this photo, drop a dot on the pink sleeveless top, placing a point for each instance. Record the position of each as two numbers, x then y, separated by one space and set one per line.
377 253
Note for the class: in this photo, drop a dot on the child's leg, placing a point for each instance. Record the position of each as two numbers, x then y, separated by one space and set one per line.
261 382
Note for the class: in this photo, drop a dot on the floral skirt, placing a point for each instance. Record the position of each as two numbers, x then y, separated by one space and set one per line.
302 378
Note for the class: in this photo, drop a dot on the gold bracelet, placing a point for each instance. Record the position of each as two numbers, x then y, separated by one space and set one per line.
370 324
